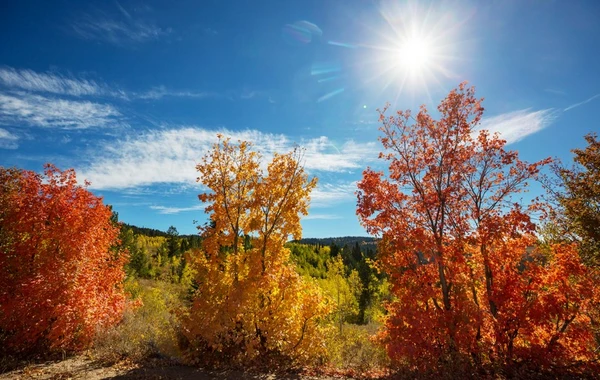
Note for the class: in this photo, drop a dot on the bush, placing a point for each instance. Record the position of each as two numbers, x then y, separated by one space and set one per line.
149 329
60 280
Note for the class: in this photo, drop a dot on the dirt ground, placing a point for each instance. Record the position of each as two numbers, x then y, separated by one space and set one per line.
83 368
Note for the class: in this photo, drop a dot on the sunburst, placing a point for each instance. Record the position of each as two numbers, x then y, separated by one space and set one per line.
415 48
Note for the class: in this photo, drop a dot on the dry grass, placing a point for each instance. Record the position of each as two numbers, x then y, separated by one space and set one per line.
355 350
149 330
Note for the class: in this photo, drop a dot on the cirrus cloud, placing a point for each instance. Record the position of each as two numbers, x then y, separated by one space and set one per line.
39 111
8 140
515 126
169 156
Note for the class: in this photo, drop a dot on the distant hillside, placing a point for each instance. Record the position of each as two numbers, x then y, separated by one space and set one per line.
145 231
152 232
339 241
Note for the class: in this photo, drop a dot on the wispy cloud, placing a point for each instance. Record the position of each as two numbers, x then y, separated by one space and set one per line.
321 217
8 140
330 194
160 92
177 210
169 156
52 83
581 103
120 28
247 94
60 84
370 124
555 91
40 111
515 126
323 154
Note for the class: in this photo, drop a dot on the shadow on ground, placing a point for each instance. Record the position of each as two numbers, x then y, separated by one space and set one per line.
189 373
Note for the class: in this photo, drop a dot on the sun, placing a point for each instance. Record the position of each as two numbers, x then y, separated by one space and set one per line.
415 54
413 60
415 49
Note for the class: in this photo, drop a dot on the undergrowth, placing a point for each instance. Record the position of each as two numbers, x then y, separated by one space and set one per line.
149 328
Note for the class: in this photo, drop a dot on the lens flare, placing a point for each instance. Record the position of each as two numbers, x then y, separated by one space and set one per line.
301 32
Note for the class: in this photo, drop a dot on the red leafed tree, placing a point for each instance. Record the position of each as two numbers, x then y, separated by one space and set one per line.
469 277
60 280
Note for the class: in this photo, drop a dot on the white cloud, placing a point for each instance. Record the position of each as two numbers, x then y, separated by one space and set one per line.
322 154
581 103
160 92
515 126
321 217
40 111
160 156
8 140
177 210
52 83
170 156
117 30
56 83
330 194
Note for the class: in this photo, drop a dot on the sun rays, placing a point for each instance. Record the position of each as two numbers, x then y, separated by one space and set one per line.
415 48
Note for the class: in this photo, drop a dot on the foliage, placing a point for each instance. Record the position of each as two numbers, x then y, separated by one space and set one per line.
59 278
250 304
343 289
576 194
149 326
313 261
158 257
310 260
469 280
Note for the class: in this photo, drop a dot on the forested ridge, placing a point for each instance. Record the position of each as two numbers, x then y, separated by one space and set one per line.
459 278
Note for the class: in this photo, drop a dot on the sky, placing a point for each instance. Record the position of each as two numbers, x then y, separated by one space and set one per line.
131 94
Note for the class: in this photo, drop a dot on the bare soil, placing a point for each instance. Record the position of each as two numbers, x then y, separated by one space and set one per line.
81 367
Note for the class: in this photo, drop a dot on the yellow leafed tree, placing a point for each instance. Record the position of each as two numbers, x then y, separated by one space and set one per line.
251 305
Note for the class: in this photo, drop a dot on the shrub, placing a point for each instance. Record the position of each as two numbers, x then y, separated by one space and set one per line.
59 278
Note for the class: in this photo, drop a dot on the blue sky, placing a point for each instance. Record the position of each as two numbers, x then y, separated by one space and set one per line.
131 94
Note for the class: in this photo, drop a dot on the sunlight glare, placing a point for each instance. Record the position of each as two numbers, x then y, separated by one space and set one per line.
416 48
415 54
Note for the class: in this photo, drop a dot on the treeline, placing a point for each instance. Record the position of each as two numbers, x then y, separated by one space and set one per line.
193 239
363 241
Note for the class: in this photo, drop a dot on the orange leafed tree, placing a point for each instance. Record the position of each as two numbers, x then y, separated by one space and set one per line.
468 274
60 279
251 304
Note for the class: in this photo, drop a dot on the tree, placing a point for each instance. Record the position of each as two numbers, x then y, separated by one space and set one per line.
469 279
344 290
173 242
250 303
60 281
575 193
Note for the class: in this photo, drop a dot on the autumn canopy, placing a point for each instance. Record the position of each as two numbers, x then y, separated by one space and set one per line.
471 280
